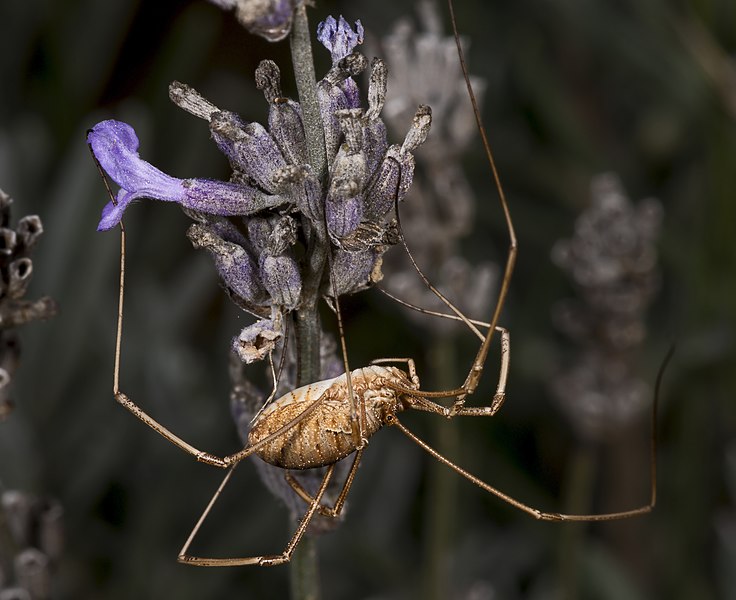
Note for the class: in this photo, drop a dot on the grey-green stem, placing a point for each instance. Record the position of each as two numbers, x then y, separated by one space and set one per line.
304 562
306 84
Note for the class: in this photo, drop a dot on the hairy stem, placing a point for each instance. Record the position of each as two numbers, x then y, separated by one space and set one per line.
304 563
306 84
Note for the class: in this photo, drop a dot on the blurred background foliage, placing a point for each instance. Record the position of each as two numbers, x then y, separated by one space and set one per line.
643 89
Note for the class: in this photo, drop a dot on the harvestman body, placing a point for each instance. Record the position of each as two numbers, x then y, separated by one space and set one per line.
322 423
326 435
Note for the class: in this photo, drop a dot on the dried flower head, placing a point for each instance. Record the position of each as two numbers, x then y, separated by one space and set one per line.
612 261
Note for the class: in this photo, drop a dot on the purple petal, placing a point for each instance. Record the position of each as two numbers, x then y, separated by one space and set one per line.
280 276
355 271
343 215
236 266
115 146
338 37
249 147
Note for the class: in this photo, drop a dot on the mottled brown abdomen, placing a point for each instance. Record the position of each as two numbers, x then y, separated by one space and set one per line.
324 436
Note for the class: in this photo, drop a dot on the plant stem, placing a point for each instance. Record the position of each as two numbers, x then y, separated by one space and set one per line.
442 484
306 85
578 493
304 570
304 563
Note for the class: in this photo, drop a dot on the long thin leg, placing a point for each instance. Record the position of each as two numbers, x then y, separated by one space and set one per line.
553 516
422 403
206 457
275 374
334 510
476 369
357 407
125 401
266 560
534 512
435 313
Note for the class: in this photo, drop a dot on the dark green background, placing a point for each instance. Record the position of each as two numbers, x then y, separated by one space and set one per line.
574 89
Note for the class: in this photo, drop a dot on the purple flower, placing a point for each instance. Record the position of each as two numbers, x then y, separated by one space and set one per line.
115 145
338 37
265 227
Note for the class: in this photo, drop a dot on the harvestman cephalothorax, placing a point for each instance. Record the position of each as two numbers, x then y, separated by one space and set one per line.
358 403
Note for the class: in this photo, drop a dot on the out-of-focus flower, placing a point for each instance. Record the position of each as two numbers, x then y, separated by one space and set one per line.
265 225
16 269
32 543
612 261
270 19
424 64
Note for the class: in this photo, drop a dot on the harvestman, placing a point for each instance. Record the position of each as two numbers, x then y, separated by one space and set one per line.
290 433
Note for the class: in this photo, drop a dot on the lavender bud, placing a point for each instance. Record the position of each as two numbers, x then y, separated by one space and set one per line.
338 91
285 117
233 262
190 100
8 241
287 129
32 573
51 530
375 144
390 183
249 147
343 215
18 509
19 276
355 271
29 229
273 238
6 402
377 88
419 130
21 312
344 204
5 203
281 277
351 65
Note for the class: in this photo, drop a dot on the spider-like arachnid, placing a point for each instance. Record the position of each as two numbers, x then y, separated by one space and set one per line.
323 423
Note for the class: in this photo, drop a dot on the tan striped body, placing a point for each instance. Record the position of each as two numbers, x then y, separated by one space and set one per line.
324 436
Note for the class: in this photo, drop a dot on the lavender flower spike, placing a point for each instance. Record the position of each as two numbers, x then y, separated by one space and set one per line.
115 145
338 37
271 19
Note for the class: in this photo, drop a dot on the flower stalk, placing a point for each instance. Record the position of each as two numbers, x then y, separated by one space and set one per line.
304 569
